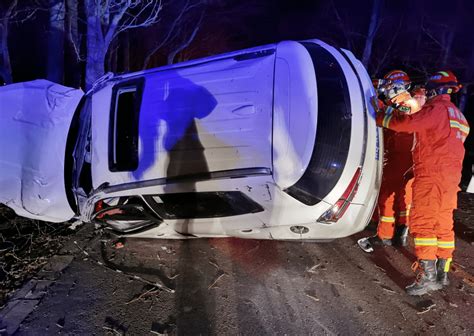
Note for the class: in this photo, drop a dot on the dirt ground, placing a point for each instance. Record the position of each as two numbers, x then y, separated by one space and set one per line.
25 247
98 285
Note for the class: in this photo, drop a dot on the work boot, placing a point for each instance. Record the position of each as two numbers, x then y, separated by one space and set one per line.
400 238
369 243
425 278
442 269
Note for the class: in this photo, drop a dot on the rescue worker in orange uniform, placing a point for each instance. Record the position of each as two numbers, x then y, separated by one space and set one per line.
440 131
395 190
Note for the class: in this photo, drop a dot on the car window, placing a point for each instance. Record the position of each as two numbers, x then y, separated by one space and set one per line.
123 131
201 204
333 131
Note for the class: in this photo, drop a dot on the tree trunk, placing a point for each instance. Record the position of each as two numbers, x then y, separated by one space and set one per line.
447 48
185 44
469 76
463 98
74 68
126 52
95 60
95 45
5 66
112 58
374 18
55 65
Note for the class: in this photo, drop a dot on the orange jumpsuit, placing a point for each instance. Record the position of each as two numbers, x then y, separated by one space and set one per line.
440 131
395 190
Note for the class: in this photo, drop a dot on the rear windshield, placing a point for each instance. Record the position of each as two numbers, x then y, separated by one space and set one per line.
333 132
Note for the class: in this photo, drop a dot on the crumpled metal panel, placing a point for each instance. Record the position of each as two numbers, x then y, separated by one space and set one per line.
34 123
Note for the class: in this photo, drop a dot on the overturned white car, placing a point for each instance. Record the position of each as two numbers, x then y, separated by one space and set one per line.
274 142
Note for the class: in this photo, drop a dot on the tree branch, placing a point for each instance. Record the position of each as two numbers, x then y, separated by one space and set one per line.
389 47
343 26
111 30
152 18
186 8
191 37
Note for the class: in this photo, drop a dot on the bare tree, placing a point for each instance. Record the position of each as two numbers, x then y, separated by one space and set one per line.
72 22
442 33
442 37
186 42
74 41
108 18
126 51
10 12
176 31
5 66
379 62
343 26
469 83
374 21
55 63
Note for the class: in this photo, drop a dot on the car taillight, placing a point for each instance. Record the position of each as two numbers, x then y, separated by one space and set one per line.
339 208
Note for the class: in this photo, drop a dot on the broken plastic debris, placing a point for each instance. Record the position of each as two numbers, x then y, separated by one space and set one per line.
76 224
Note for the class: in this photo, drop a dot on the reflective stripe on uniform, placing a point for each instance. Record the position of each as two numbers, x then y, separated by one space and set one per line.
386 120
404 213
426 242
387 219
459 126
446 244
448 263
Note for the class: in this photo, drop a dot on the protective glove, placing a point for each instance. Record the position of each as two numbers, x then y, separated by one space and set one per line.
376 104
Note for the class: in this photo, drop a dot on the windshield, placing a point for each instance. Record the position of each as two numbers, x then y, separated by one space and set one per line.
333 131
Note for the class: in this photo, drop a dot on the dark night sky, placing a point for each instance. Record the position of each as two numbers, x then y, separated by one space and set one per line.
236 24
415 33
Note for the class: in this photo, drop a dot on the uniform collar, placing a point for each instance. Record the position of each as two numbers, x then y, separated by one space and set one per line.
440 97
